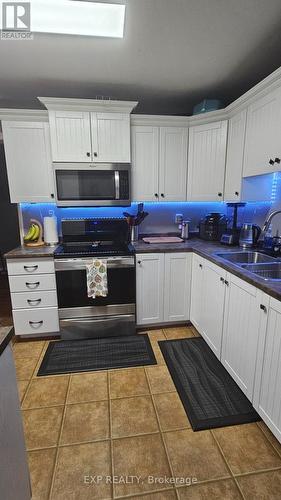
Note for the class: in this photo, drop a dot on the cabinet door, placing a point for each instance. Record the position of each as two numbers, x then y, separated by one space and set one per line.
206 161
262 142
145 163
173 163
177 286
150 288
240 339
234 157
29 166
267 400
196 308
111 137
70 136
212 303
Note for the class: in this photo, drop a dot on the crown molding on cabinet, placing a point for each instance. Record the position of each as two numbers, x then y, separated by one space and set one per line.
266 85
96 105
28 115
160 120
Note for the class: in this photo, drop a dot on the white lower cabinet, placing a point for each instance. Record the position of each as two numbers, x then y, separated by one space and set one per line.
196 310
33 296
39 321
240 332
267 393
207 301
150 284
177 286
213 296
163 287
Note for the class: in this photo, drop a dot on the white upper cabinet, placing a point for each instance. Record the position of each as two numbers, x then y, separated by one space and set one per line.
145 163
28 158
82 136
262 144
173 163
240 333
89 130
111 137
267 395
234 157
70 136
206 161
159 163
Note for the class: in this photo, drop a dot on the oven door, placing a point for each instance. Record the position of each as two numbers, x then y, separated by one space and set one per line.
93 184
107 313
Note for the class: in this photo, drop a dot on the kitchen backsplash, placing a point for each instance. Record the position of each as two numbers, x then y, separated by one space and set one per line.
161 215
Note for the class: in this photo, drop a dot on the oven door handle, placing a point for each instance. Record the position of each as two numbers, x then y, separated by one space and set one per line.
80 264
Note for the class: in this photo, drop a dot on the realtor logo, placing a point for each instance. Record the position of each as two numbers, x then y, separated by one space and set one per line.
16 21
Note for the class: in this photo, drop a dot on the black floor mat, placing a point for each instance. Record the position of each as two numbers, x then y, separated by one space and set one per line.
209 395
68 356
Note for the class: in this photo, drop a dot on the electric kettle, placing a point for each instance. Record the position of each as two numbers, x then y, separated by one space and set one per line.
249 235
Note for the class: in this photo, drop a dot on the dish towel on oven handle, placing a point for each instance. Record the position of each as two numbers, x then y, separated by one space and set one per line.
97 279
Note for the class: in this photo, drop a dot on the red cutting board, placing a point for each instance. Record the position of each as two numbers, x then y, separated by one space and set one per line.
163 239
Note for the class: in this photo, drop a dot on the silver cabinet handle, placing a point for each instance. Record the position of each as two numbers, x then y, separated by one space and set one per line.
32 285
34 301
30 268
36 324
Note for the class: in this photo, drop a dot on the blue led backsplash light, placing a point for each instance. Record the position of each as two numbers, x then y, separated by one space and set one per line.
161 214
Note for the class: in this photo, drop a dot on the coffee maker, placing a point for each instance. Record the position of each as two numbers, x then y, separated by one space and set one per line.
212 226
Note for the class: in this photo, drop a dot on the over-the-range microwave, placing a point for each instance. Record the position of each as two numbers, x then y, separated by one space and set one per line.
92 184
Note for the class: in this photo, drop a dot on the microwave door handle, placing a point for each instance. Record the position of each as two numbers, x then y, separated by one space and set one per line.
117 184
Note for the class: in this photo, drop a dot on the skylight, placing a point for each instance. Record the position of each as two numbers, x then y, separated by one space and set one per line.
72 17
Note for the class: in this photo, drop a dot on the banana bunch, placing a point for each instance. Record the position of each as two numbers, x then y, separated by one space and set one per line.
33 233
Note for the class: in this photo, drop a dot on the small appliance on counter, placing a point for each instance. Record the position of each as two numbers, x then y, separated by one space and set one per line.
231 237
185 229
249 235
212 226
50 230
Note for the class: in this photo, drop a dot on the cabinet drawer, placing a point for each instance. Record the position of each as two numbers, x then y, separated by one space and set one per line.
30 266
36 321
24 300
32 283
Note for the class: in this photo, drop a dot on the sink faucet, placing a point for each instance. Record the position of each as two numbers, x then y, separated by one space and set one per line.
267 224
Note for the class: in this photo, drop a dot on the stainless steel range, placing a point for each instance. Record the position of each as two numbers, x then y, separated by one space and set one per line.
84 317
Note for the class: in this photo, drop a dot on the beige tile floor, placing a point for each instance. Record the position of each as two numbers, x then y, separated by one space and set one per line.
131 422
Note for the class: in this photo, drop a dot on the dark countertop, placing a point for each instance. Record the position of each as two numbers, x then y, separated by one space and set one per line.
24 252
208 250
6 334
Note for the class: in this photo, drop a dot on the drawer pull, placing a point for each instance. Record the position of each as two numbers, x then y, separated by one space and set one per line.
36 324
32 285
34 301
30 268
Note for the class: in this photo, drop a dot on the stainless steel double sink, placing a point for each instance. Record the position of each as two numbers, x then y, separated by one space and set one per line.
266 267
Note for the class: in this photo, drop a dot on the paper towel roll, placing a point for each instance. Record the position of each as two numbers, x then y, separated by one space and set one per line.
50 231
